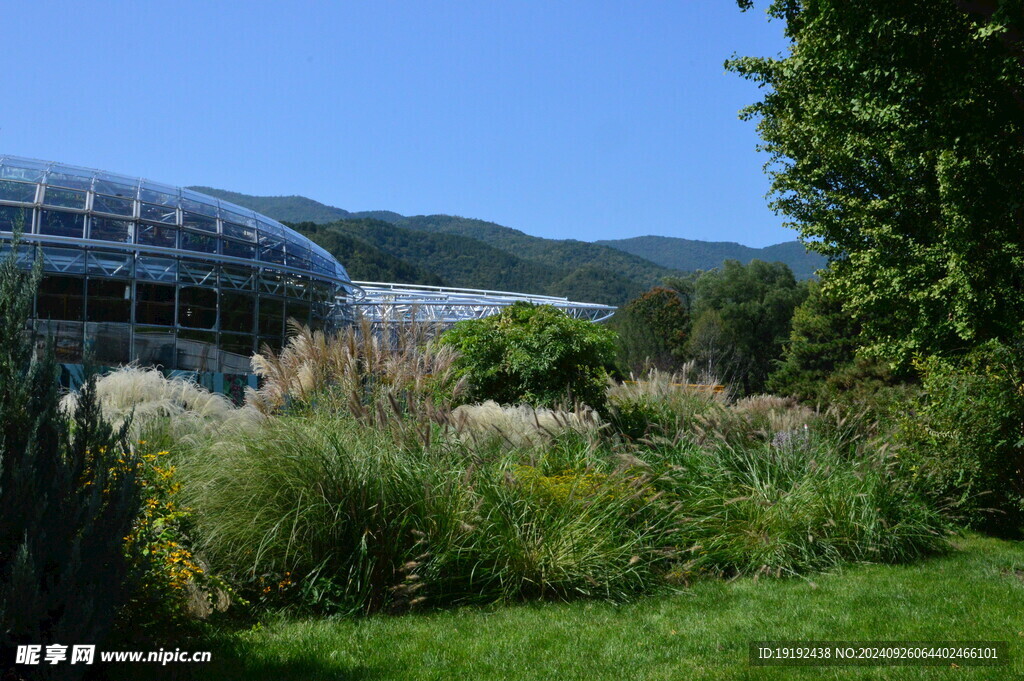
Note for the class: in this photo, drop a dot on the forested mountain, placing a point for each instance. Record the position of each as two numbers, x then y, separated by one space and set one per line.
460 261
691 255
463 252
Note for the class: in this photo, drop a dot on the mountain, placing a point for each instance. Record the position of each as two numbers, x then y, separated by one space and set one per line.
464 262
462 252
691 255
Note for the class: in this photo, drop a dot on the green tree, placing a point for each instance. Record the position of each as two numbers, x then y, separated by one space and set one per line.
653 329
68 496
742 318
894 131
534 354
823 340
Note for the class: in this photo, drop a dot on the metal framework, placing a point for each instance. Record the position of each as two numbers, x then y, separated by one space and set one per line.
139 271
399 303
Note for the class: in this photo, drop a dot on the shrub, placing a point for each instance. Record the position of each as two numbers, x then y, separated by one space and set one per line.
534 354
68 495
808 501
173 587
966 439
331 515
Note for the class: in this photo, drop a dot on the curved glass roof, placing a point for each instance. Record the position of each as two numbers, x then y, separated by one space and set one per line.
241 230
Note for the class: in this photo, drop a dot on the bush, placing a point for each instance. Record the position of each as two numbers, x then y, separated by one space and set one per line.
334 516
68 496
801 501
534 354
966 440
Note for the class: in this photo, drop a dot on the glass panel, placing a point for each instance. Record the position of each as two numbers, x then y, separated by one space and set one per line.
237 277
70 180
17 191
236 353
271 317
194 272
198 203
298 311
167 198
237 215
154 304
64 198
271 282
110 344
111 230
116 187
239 232
154 346
197 351
67 338
197 307
237 312
62 224
15 218
26 171
196 221
110 264
158 269
238 344
148 211
274 343
239 250
60 297
204 243
113 205
109 301
157 235
272 255
63 260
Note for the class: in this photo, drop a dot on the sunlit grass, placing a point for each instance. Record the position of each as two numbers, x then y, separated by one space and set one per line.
699 633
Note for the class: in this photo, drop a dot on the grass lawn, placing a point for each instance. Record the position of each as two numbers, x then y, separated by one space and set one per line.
975 593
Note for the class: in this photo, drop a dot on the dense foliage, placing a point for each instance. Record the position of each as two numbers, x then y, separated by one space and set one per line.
653 329
895 132
966 436
742 317
68 495
534 354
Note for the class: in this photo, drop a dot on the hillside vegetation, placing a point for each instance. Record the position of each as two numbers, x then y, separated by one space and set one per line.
471 253
691 255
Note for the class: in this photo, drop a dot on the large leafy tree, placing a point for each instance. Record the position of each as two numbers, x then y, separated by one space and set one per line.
742 318
896 140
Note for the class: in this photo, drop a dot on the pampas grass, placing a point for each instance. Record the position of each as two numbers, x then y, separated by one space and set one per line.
151 400
522 425
369 373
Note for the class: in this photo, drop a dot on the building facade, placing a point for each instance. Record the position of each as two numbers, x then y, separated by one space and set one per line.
139 271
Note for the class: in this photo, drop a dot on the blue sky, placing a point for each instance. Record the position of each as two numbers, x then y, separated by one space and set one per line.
587 120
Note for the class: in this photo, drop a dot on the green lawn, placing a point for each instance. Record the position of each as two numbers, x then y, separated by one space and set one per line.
976 593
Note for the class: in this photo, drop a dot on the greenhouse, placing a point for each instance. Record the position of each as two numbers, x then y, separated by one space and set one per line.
139 271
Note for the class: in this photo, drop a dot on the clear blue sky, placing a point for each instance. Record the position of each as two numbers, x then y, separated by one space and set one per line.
584 120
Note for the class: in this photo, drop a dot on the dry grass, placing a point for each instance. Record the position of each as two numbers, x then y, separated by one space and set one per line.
147 397
369 373
522 425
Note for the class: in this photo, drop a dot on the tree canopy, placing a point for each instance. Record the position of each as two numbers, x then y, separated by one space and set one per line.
895 135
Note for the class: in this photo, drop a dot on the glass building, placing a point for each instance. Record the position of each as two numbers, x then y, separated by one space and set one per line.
135 270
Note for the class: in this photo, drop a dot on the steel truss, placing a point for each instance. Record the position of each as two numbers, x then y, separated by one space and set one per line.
397 303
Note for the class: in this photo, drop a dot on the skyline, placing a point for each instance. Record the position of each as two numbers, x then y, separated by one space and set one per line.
577 121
